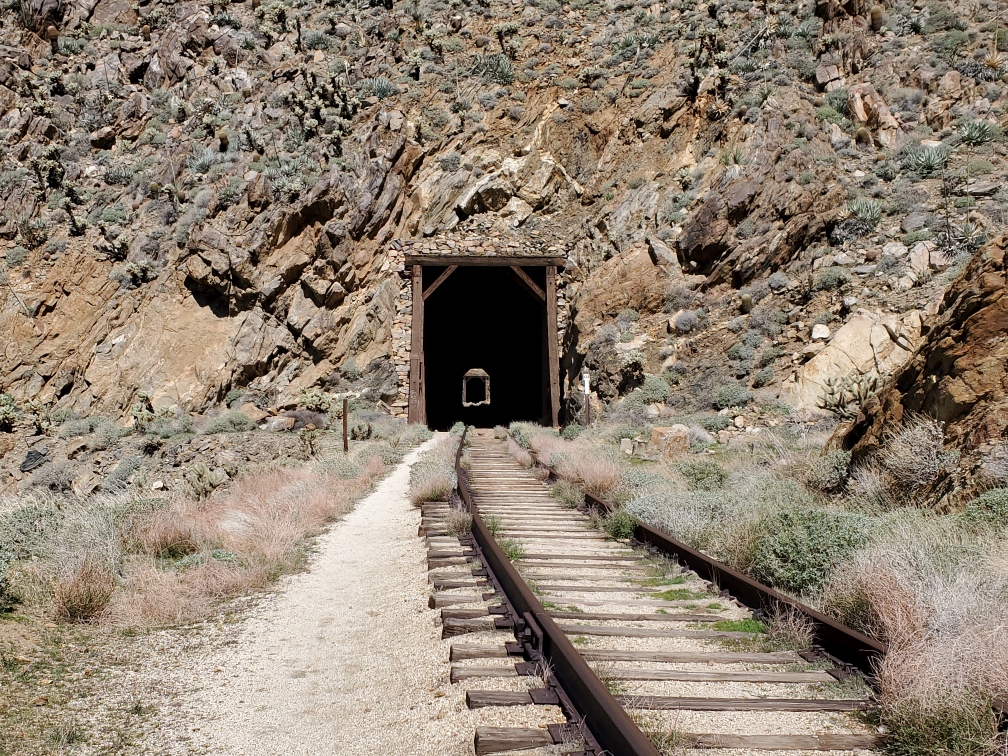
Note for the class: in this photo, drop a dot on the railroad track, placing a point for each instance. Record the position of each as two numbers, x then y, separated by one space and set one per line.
589 642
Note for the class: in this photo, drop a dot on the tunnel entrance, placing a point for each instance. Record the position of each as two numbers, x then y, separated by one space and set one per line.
484 320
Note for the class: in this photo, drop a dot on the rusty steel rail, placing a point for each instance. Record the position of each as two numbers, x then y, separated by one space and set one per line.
832 638
610 730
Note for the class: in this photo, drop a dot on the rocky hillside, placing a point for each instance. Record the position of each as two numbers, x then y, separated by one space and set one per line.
959 376
198 199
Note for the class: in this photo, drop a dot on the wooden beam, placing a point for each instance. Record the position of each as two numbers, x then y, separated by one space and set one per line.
416 413
492 260
532 285
440 280
551 344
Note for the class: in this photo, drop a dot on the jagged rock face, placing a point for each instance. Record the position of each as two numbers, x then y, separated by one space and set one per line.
214 193
869 344
960 373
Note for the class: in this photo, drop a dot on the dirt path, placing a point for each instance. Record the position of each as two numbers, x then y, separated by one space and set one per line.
346 659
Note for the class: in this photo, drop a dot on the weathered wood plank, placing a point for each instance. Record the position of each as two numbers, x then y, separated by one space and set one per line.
498 739
690 657
691 703
462 651
465 673
616 631
478 699
672 617
754 676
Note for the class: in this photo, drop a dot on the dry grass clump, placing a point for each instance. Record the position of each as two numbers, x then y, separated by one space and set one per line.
83 589
521 455
936 594
131 559
432 476
788 629
915 456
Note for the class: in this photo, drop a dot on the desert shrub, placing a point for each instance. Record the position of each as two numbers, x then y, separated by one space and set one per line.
832 279
229 422
685 322
567 494
655 389
678 297
788 630
777 281
828 472
763 378
868 488
82 591
57 477
521 434
731 395
457 521
432 476
703 475
952 730
716 423
571 431
740 351
800 547
915 456
990 509
619 524
593 475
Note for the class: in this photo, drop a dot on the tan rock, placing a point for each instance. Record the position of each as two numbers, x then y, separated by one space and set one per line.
252 412
669 441
861 346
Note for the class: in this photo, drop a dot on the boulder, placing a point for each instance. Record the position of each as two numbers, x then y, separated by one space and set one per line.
304 418
669 441
958 376
820 332
869 343
278 424
867 106
252 412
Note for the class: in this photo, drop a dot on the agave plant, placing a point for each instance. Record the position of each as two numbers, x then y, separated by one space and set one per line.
496 68
867 211
379 87
201 162
926 161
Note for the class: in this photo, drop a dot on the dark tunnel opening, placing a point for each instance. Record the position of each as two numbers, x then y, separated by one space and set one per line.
484 318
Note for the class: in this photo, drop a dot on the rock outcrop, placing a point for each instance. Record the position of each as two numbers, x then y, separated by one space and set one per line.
959 375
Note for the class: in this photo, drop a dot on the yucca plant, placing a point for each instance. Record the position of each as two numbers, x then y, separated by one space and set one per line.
927 161
496 68
866 210
974 134
379 87
733 159
201 162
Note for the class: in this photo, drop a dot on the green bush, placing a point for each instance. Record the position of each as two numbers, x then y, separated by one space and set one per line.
457 429
520 433
800 547
704 475
716 423
763 378
619 525
828 473
654 390
567 494
572 431
731 395
832 279
229 422
989 509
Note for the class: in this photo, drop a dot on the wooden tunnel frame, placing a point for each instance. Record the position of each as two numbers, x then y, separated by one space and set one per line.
417 410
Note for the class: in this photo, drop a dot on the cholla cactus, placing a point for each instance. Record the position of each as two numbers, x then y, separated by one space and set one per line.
845 396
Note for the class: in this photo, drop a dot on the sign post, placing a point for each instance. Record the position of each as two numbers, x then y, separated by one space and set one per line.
587 398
